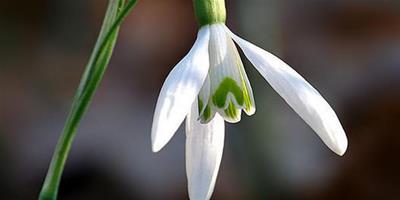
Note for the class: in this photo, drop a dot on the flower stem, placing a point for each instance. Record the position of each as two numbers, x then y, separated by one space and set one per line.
210 11
116 13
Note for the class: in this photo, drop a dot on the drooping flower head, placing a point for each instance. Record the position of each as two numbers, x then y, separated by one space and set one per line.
210 86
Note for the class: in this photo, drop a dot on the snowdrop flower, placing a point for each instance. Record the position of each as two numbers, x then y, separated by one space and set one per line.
210 86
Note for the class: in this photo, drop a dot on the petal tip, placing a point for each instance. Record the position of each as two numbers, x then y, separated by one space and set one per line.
157 143
339 144
194 195
341 147
156 146
251 111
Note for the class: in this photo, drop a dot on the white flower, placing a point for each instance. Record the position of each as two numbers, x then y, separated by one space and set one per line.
210 86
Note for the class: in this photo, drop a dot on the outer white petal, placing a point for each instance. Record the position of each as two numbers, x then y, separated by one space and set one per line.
180 90
204 147
298 93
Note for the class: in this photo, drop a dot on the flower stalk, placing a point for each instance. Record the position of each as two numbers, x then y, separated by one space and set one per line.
117 11
210 11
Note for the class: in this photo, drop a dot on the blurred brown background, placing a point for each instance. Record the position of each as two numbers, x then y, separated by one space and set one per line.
348 49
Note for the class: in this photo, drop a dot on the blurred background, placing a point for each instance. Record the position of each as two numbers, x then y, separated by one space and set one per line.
348 49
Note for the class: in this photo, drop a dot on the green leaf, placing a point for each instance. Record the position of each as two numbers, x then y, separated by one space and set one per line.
116 12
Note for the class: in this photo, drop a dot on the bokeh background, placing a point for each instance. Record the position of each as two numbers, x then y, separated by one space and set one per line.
348 49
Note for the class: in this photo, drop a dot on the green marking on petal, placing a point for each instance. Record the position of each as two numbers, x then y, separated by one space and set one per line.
231 111
247 99
248 103
249 109
206 116
227 86
200 105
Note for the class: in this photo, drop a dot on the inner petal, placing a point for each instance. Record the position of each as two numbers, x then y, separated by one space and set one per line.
206 114
228 88
230 91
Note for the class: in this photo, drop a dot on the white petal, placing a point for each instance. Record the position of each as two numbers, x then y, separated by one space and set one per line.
204 147
180 90
298 93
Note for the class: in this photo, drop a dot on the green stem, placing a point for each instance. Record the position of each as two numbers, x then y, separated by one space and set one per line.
98 62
